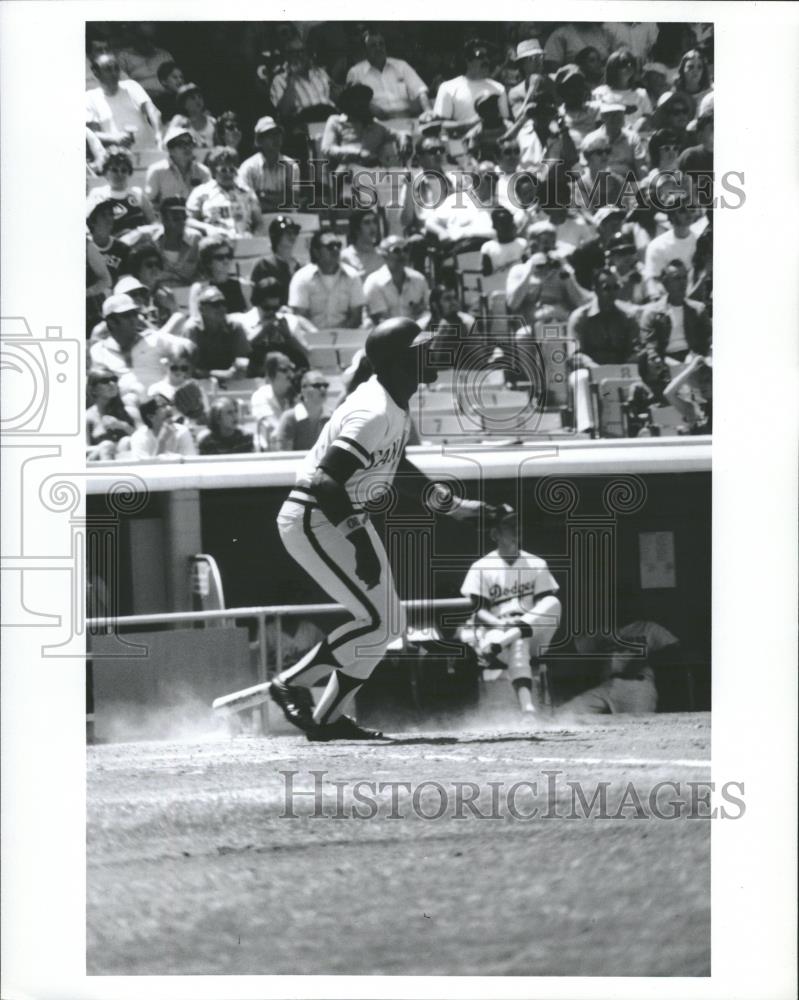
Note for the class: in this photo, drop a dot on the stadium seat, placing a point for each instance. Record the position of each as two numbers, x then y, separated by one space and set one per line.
610 386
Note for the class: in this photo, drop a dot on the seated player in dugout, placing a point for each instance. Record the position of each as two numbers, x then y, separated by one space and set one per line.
516 608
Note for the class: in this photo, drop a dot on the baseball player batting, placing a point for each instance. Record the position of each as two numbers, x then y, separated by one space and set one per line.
325 527
514 594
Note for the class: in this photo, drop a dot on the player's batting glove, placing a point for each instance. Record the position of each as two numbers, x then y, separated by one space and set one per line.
367 565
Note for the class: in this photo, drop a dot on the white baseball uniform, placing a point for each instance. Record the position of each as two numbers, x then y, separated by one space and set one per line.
511 589
373 428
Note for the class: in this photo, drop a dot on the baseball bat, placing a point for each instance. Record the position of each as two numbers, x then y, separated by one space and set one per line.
238 701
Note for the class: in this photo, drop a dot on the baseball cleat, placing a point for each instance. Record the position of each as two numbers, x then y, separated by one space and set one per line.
344 728
296 704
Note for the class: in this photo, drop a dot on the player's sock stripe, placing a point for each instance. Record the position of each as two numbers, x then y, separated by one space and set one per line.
356 445
374 617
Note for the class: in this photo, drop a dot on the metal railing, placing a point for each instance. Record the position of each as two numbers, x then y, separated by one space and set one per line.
106 626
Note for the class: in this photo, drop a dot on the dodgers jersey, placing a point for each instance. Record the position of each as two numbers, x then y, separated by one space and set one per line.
508 589
373 428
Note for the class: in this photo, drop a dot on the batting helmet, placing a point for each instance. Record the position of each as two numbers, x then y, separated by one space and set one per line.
391 339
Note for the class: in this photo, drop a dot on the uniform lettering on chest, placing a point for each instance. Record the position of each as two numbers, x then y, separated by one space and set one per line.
518 589
384 456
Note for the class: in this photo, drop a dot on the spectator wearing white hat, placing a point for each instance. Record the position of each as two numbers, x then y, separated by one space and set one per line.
395 290
626 152
623 260
131 350
274 178
454 104
620 70
530 59
120 111
179 173
397 89
191 109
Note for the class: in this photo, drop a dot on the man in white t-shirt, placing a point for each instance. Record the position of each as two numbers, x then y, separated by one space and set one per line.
120 111
677 243
455 98
514 595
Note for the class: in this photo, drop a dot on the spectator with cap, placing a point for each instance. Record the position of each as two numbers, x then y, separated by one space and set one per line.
108 419
131 350
579 113
299 427
120 111
159 436
193 114
281 263
131 205
542 290
274 178
100 223
397 89
395 290
640 37
224 202
529 58
142 58
506 249
178 246
588 258
696 164
178 174
685 319
620 71
215 262
301 91
361 254
607 334
271 328
224 436
566 42
455 100
678 242
222 350
171 79
273 399
326 292
354 137
626 151
622 258
482 139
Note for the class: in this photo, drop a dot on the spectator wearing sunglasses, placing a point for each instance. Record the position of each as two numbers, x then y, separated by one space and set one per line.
215 267
179 367
271 328
299 427
678 242
178 174
177 244
326 292
224 436
281 263
131 205
222 348
620 71
273 399
597 186
224 202
160 436
108 419
455 100
626 152
674 111
395 290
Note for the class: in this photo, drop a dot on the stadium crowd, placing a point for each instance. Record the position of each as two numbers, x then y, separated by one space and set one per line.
260 194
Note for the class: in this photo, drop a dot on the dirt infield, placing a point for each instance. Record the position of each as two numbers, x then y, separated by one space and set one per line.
201 860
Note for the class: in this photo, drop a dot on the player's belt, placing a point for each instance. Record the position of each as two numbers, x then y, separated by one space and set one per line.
306 498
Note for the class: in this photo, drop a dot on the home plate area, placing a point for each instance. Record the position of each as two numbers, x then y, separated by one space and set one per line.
484 847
